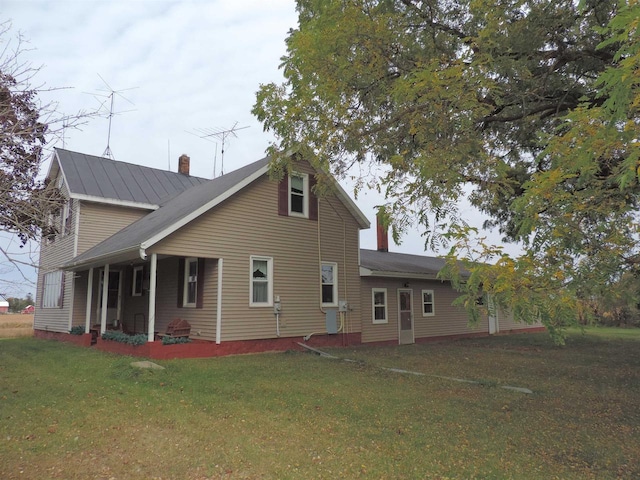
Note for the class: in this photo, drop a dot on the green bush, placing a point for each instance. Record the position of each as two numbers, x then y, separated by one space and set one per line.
77 330
175 340
117 336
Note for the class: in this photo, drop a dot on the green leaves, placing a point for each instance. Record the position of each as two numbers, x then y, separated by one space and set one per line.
529 108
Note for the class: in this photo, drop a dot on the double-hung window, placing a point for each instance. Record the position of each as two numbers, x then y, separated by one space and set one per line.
261 284
329 276
379 301
52 290
190 295
299 194
428 305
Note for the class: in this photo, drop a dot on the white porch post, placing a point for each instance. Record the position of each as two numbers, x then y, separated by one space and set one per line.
152 297
219 303
87 312
105 299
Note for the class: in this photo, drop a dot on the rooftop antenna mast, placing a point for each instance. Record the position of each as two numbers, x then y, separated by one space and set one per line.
221 134
109 97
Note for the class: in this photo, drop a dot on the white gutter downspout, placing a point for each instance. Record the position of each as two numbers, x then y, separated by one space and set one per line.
152 296
105 299
87 312
219 303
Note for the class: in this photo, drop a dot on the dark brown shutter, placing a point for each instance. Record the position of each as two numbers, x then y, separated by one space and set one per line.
200 286
283 196
61 302
180 282
313 200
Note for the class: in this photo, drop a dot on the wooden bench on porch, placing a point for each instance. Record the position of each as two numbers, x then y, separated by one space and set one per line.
176 328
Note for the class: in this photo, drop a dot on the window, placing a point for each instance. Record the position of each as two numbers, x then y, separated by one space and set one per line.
137 282
261 282
299 194
379 299
65 219
428 309
329 284
52 290
190 282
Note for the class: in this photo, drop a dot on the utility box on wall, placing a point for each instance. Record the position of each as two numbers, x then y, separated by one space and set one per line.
331 320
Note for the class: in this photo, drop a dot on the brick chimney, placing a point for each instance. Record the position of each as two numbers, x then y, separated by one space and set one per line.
383 236
183 164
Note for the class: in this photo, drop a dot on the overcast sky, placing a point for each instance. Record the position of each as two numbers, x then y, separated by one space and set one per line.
181 66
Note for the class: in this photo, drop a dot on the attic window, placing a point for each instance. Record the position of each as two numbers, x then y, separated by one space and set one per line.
299 194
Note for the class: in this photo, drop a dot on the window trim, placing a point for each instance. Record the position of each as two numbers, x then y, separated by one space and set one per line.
185 285
373 306
139 270
53 297
433 303
334 294
269 260
305 195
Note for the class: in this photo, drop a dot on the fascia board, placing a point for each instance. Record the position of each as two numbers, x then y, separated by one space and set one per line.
54 160
363 221
113 201
204 208
100 260
383 274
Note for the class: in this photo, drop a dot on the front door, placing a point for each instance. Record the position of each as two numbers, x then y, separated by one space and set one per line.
405 314
114 294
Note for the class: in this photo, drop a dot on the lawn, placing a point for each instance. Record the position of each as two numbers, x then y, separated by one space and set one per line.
70 412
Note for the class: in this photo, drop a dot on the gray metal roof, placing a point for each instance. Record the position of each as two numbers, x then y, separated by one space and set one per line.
400 263
180 208
92 176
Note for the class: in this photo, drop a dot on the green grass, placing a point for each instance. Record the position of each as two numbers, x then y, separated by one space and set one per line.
69 412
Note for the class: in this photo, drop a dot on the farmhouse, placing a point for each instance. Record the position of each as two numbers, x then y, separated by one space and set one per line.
247 262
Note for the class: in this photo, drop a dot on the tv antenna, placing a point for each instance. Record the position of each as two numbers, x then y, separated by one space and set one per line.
221 134
109 98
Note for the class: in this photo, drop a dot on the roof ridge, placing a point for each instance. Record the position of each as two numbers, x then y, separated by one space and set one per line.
129 163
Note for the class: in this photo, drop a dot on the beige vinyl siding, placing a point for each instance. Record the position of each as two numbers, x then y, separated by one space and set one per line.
248 224
202 320
447 319
100 221
80 297
506 322
52 255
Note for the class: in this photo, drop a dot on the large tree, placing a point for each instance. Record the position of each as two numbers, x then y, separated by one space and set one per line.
529 108
28 128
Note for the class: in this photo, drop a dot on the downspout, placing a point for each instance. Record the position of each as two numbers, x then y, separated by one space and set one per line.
344 267
307 337
319 264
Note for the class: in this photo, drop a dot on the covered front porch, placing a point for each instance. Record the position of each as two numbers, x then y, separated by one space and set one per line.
144 295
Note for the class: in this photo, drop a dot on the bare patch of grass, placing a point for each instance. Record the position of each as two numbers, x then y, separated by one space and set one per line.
70 412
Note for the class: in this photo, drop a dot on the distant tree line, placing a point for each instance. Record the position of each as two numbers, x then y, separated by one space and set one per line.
16 305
